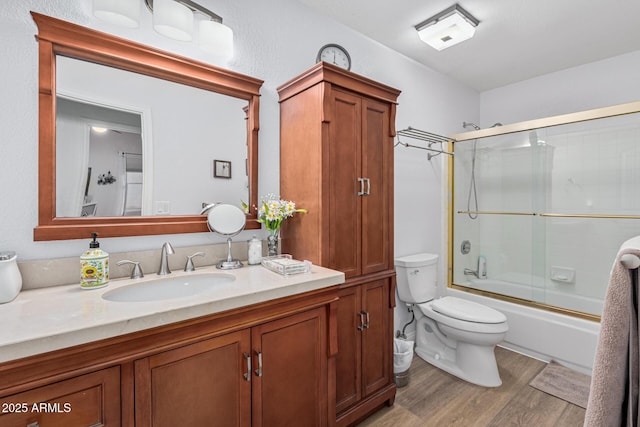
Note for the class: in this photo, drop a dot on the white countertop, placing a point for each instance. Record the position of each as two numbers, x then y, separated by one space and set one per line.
47 319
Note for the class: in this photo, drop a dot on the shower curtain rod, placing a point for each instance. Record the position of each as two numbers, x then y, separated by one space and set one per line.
422 135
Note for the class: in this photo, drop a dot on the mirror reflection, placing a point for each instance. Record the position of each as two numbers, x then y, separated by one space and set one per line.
99 168
130 145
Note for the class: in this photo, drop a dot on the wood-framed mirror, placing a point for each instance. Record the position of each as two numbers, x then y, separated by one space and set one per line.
60 41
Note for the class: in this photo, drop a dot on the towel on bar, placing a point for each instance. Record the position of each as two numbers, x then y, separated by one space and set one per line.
613 397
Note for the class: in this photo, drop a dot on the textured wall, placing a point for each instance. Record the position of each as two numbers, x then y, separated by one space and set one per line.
274 41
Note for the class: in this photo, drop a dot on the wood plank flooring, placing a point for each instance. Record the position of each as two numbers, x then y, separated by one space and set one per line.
436 398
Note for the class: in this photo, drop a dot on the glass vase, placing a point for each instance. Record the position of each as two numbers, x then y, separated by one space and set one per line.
272 242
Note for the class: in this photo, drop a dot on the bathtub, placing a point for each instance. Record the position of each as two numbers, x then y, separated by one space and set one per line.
538 292
539 333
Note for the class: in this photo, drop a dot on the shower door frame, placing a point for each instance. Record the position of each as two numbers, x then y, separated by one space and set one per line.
530 125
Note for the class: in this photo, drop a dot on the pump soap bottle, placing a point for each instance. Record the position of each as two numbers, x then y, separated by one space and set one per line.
94 266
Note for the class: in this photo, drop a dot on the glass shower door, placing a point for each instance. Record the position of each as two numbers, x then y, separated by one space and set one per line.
538 215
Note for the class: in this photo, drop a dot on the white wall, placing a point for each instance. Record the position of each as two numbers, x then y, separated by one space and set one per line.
599 84
274 41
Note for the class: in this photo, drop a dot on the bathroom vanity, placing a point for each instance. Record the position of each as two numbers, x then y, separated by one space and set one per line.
255 350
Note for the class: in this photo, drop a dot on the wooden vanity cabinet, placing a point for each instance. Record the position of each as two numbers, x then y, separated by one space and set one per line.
200 384
87 400
364 351
268 364
273 374
336 161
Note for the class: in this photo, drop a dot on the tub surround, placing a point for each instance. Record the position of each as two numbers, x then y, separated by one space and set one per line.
43 320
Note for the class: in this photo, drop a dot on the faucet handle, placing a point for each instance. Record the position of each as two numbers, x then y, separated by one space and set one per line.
189 265
136 271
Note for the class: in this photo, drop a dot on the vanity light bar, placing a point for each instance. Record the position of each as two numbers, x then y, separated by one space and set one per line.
173 19
195 7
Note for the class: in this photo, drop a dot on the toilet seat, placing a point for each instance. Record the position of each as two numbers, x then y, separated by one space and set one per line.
468 311
463 325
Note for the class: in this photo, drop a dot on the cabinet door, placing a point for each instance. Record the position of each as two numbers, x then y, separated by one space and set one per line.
378 170
348 372
88 400
343 170
290 371
201 384
376 336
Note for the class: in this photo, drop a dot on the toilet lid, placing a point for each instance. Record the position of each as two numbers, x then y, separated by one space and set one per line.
467 310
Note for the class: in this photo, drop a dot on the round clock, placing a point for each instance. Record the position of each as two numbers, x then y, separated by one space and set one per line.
336 55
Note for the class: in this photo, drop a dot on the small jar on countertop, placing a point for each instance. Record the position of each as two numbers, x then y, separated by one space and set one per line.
10 277
254 255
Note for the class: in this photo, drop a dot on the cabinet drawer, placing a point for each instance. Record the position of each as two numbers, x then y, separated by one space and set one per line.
88 400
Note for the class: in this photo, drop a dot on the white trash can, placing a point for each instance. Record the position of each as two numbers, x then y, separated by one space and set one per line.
402 357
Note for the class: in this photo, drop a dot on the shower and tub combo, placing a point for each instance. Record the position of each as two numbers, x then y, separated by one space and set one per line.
537 213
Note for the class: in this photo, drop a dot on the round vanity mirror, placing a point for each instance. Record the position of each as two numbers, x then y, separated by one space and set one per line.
227 220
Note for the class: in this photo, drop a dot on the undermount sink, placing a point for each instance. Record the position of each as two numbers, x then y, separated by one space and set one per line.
166 288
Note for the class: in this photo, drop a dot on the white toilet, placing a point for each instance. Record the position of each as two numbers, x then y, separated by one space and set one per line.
456 335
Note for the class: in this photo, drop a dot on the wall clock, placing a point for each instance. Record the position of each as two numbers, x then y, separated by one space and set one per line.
334 54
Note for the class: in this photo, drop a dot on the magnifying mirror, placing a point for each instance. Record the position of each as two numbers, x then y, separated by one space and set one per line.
227 220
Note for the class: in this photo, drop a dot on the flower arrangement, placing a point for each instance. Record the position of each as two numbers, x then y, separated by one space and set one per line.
273 211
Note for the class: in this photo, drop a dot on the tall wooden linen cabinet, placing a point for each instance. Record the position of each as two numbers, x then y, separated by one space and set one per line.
336 161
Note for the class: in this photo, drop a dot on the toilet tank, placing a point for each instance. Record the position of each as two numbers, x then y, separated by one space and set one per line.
417 277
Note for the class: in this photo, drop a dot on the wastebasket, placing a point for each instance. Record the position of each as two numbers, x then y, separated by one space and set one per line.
402 357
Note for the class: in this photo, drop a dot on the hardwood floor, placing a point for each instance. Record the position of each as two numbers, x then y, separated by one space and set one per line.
436 398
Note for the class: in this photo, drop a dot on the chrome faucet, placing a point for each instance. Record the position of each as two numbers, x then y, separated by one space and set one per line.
470 272
167 250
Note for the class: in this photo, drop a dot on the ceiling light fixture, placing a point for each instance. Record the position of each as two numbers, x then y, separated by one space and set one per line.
447 28
174 19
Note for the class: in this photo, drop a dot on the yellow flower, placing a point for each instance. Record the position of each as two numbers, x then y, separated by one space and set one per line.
89 271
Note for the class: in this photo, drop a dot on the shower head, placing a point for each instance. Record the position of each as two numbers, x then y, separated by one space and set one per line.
469 124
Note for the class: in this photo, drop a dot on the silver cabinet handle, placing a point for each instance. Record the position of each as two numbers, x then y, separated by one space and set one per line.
361 326
361 181
259 370
368 191
366 323
247 375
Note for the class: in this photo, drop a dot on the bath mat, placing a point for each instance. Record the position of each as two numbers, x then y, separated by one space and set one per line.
563 383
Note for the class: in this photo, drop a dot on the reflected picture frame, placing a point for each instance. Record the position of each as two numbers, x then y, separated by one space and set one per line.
222 169
88 209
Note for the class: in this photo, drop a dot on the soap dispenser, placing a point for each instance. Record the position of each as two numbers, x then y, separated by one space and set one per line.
94 266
